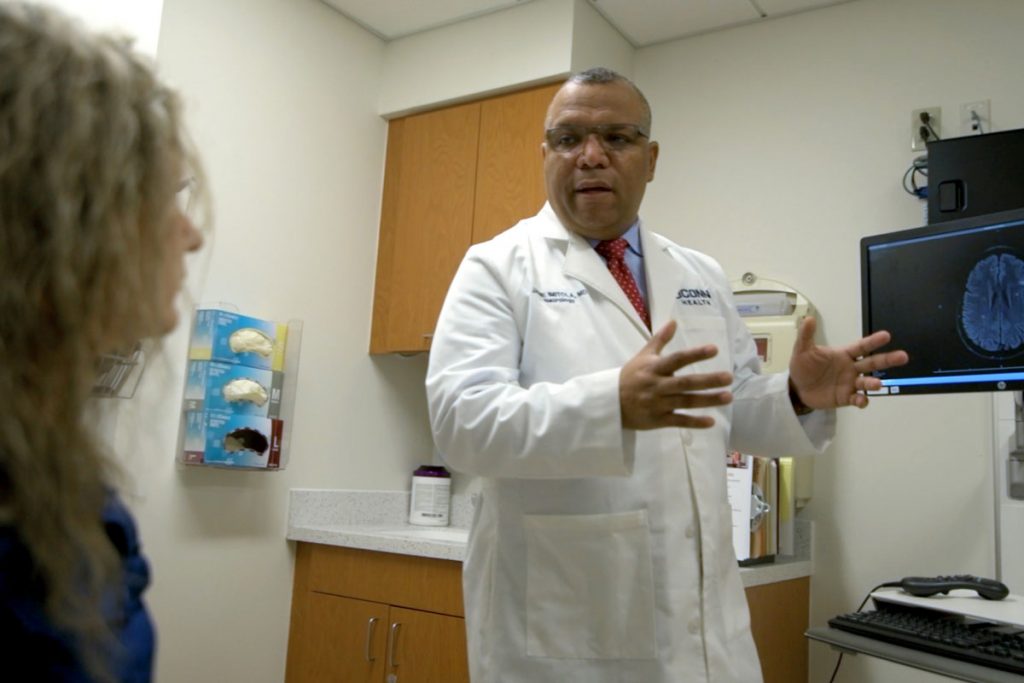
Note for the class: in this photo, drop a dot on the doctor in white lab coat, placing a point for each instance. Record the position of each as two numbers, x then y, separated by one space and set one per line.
601 549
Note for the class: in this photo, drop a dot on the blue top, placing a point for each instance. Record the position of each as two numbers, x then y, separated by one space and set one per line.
32 644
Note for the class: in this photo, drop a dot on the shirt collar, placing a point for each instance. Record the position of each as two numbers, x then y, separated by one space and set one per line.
632 237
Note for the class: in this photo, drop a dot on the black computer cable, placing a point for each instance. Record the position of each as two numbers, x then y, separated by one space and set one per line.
887 584
926 119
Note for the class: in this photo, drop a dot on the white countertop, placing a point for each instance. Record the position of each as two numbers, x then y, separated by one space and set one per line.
376 520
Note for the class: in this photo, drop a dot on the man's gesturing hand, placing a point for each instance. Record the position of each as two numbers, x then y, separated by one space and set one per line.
650 392
827 377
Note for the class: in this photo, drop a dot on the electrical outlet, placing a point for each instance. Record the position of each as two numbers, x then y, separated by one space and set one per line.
934 119
975 118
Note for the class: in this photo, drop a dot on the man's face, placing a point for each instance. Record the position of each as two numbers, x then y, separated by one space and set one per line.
596 188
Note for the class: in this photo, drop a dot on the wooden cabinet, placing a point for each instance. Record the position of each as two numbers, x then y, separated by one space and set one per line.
428 648
779 614
341 639
510 175
360 616
453 177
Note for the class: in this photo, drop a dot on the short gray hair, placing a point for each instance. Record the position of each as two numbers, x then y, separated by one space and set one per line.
599 75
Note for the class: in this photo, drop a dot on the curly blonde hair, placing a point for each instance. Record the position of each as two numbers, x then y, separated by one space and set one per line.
92 152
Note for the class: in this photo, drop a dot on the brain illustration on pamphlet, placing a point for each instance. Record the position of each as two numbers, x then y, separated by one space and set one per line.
244 389
250 340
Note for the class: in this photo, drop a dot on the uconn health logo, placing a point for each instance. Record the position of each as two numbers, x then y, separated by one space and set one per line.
694 296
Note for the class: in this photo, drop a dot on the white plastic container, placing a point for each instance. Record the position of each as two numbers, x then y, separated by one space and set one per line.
431 496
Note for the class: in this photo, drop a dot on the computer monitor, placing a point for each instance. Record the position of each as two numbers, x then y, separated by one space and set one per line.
952 295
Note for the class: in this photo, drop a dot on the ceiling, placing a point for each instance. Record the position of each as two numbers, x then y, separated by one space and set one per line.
642 22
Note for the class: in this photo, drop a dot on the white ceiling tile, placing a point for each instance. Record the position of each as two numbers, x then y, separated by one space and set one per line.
652 21
395 18
777 7
642 22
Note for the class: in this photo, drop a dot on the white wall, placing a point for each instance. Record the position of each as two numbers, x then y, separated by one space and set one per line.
528 43
138 19
783 144
282 98
595 42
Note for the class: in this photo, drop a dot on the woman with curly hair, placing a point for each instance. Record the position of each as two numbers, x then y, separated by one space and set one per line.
93 156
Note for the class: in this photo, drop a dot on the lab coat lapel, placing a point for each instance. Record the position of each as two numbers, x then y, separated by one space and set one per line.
583 263
661 285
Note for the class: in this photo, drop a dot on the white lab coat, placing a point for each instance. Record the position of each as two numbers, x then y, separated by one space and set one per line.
597 553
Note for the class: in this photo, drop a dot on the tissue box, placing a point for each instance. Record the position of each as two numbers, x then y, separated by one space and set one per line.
230 440
229 388
232 338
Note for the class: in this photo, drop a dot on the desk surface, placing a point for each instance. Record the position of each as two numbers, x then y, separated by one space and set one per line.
926 661
966 603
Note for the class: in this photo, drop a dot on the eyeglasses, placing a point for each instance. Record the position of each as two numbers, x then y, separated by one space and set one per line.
613 137
184 194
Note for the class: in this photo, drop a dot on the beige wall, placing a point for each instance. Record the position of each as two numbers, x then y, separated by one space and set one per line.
783 144
282 97
787 132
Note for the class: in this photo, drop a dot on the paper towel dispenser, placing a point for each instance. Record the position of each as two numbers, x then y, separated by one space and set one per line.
773 312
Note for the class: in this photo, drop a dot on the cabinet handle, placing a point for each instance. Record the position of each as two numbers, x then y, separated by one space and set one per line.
369 638
393 643
428 336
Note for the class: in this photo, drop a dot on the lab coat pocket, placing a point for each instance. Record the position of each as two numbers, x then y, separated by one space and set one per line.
589 586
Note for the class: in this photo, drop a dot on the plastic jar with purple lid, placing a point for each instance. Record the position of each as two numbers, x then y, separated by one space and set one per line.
431 496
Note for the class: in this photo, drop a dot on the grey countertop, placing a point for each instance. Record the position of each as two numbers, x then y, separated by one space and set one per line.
377 520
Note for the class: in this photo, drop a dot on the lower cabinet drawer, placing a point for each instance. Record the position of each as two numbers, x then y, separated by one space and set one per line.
407 581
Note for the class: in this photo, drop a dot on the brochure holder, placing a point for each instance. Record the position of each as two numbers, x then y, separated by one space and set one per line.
239 397
118 374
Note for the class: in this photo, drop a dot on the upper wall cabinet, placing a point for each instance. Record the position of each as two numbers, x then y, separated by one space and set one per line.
453 177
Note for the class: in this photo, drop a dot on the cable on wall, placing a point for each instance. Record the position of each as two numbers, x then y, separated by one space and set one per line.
918 166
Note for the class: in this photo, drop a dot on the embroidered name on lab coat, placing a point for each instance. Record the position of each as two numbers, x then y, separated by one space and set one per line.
560 297
694 296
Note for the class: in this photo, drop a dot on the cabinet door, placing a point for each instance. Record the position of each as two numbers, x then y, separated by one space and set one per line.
427 647
778 618
426 223
510 175
341 640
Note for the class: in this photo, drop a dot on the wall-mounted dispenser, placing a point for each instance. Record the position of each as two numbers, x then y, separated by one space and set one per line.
773 312
239 394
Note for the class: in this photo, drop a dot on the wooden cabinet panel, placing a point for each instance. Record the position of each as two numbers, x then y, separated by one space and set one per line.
355 641
338 591
510 175
428 648
779 614
340 639
426 222
453 177
405 580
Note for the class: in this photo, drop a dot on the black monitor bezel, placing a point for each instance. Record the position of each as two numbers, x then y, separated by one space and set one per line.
981 221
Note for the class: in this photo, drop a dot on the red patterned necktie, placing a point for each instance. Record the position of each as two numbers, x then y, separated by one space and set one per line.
612 251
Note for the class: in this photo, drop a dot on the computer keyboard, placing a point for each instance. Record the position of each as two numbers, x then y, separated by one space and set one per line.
998 646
